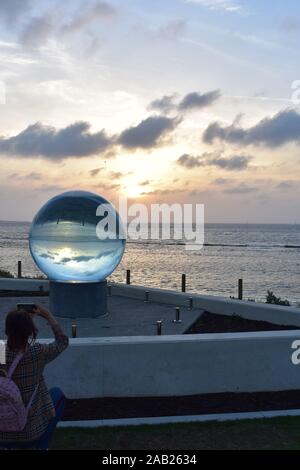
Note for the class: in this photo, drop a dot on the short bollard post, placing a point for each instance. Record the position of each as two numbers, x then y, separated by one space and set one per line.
158 327
146 296
74 330
240 289
183 283
128 276
19 269
109 291
190 303
177 315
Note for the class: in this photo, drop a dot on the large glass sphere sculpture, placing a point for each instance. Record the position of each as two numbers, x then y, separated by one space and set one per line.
70 241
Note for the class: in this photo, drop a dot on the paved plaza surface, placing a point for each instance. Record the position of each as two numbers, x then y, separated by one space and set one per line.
125 317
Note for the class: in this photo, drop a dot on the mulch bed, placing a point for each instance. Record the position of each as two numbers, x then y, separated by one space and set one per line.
141 407
212 323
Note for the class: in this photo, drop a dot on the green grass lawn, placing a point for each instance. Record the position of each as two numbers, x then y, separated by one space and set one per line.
277 433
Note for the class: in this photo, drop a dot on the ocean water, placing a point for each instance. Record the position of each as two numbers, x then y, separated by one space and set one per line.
265 256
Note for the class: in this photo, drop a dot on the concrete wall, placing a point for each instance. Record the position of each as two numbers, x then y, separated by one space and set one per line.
218 305
24 284
176 365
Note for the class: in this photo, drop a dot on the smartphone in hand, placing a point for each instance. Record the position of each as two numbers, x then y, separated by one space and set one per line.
29 308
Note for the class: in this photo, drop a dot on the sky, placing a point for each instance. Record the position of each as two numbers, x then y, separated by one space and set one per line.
159 101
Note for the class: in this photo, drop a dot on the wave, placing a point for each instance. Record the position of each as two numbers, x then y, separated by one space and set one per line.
221 245
170 242
14 238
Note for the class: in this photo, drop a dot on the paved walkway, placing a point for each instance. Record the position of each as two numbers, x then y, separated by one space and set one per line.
126 317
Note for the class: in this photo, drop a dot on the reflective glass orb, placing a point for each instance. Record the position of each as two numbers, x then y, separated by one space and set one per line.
70 239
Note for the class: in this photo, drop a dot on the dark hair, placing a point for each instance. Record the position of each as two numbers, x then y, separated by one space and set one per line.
19 327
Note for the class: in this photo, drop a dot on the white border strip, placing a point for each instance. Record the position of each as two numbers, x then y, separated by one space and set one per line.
2 352
177 419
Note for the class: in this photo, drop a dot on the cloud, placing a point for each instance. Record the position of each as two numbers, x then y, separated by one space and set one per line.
236 162
164 104
40 28
116 174
81 259
232 163
173 29
170 30
198 100
188 161
76 140
199 193
222 181
33 176
12 10
145 183
99 10
37 31
94 45
287 185
148 133
226 5
30 176
107 187
51 188
242 188
163 192
193 100
291 24
39 140
283 128
94 172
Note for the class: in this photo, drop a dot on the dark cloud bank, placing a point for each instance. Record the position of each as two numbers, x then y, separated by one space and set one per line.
190 101
283 128
148 133
197 100
232 163
39 140
76 140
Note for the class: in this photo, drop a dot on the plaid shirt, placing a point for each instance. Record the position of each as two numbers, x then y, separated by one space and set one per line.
27 375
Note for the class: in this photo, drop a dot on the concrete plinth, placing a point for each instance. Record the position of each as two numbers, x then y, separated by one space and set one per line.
78 299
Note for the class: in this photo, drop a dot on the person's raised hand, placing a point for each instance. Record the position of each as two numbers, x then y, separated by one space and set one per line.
43 312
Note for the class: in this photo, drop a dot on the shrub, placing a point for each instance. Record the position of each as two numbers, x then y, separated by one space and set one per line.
4 273
272 299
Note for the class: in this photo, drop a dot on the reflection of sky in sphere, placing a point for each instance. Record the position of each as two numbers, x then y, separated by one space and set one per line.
64 243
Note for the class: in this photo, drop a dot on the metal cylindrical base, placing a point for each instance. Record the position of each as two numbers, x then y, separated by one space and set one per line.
78 300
